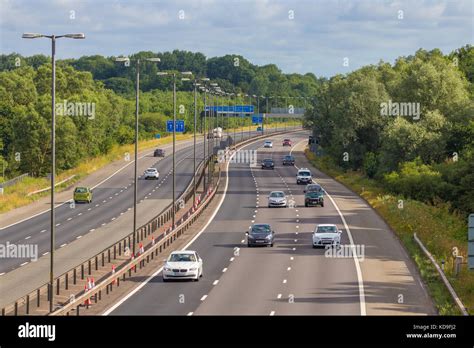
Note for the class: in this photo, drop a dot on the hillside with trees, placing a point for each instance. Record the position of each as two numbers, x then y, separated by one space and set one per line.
429 158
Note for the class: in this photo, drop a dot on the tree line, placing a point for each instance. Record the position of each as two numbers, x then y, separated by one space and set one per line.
25 101
408 125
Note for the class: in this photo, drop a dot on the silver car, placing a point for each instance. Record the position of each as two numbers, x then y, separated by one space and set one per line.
277 199
151 173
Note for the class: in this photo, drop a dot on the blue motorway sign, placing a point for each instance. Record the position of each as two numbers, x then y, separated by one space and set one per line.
257 119
157 136
248 109
179 126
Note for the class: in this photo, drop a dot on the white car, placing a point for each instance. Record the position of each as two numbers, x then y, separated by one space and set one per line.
183 264
268 144
326 234
277 199
304 176
151 173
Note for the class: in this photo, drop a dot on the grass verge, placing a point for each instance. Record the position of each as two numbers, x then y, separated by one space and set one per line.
16 196
438 228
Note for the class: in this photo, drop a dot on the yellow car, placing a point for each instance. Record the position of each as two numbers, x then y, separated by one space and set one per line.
82 194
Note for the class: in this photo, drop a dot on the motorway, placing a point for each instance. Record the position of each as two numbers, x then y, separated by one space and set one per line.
292 277
111 198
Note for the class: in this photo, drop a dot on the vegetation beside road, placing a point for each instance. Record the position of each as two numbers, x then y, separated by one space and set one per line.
409 125
436 225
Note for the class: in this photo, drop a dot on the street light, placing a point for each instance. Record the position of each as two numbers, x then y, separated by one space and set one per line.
53 144
135 177
165 73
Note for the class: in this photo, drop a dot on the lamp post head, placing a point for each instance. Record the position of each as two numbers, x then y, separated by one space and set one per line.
75 36
31 35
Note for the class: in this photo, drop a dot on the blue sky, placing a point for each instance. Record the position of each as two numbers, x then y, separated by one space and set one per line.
298 35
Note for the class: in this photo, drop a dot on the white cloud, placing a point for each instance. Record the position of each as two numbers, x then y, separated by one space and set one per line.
321 34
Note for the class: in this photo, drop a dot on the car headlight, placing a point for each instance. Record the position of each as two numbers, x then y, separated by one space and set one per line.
268 237
193 269
167 269
316 238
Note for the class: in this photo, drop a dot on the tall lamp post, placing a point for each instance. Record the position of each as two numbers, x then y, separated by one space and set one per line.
53 144
135 176
196 84
165 73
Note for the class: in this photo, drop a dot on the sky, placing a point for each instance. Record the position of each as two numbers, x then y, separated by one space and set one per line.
325 37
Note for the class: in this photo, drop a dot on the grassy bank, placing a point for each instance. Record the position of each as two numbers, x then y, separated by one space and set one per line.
437 227
16 196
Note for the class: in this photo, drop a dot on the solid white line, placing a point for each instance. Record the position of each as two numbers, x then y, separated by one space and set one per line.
354 254
134 291
203 298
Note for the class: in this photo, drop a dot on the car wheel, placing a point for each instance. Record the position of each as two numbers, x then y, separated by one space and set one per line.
249 245
165 280
197 279
322 205
271 245
314 246
306 205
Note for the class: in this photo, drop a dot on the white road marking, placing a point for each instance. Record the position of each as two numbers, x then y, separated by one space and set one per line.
360 281
24 263
215 282
292 258
58 224
63 245
224 270
284 281
279 296
211 218
78 237
42 231
2 273
69 219
79 214
92 230
293 249
89 209
272 313
27 237
113 219
203 298
190 313
288 269
231 259
46 253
